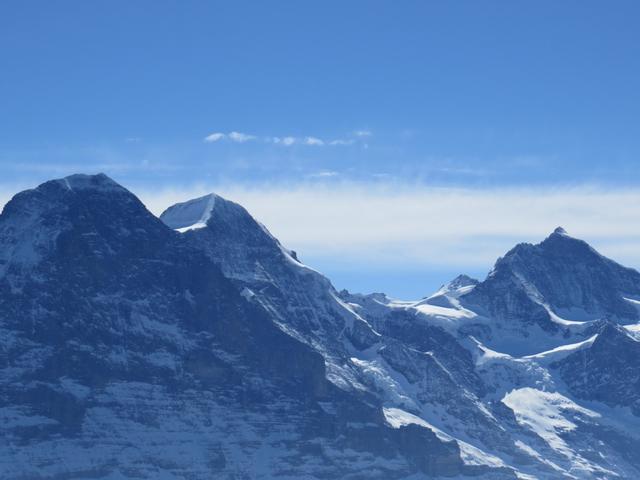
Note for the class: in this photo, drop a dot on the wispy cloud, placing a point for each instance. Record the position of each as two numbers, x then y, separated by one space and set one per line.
288 140
313 141
363 133
237 137
342 142
390 223
401 226
215 137
240 137
323 174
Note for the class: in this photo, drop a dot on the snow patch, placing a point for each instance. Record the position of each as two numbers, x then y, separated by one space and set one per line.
191 215
547 415
380 374
488 355
563 350
469 454
634 330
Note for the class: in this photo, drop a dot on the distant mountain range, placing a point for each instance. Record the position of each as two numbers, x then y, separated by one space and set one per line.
196 346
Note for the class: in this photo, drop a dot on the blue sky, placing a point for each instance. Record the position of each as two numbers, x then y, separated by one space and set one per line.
380 103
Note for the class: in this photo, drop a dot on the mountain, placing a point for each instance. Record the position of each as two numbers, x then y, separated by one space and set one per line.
126 353
564 275
360 354
549 292
563 389
300 299
608 370
197 346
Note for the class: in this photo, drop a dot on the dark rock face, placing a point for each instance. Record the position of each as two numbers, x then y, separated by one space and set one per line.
301 300
125 350
608 371
306 305
462 281
443 344
197 347
563 272
422 337
113 266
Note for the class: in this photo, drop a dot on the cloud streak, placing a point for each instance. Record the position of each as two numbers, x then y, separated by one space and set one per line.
314 141
398 227
421 227
288 140
363 133
236 137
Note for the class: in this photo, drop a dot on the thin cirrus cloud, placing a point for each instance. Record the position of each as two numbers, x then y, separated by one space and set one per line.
362 133
287 141
407 226
236 137
323 174
313 141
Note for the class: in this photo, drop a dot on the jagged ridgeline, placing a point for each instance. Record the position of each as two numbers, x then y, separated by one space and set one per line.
197 346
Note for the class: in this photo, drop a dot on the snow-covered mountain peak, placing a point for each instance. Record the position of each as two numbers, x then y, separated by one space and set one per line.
552 291
559 243
217 213
225 220
560 240
51 194
564 271
461 281
99 182
76 199
302 300
73 216
448 293
192 214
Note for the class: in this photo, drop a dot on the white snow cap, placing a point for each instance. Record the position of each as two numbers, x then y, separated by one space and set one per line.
560 231
190 215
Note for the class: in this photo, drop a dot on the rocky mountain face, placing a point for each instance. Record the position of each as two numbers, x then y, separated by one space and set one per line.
127 353
563 274
547 293
608 371
306 306
197 346
301 301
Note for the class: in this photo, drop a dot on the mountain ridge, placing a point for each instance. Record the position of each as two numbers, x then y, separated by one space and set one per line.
187 346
